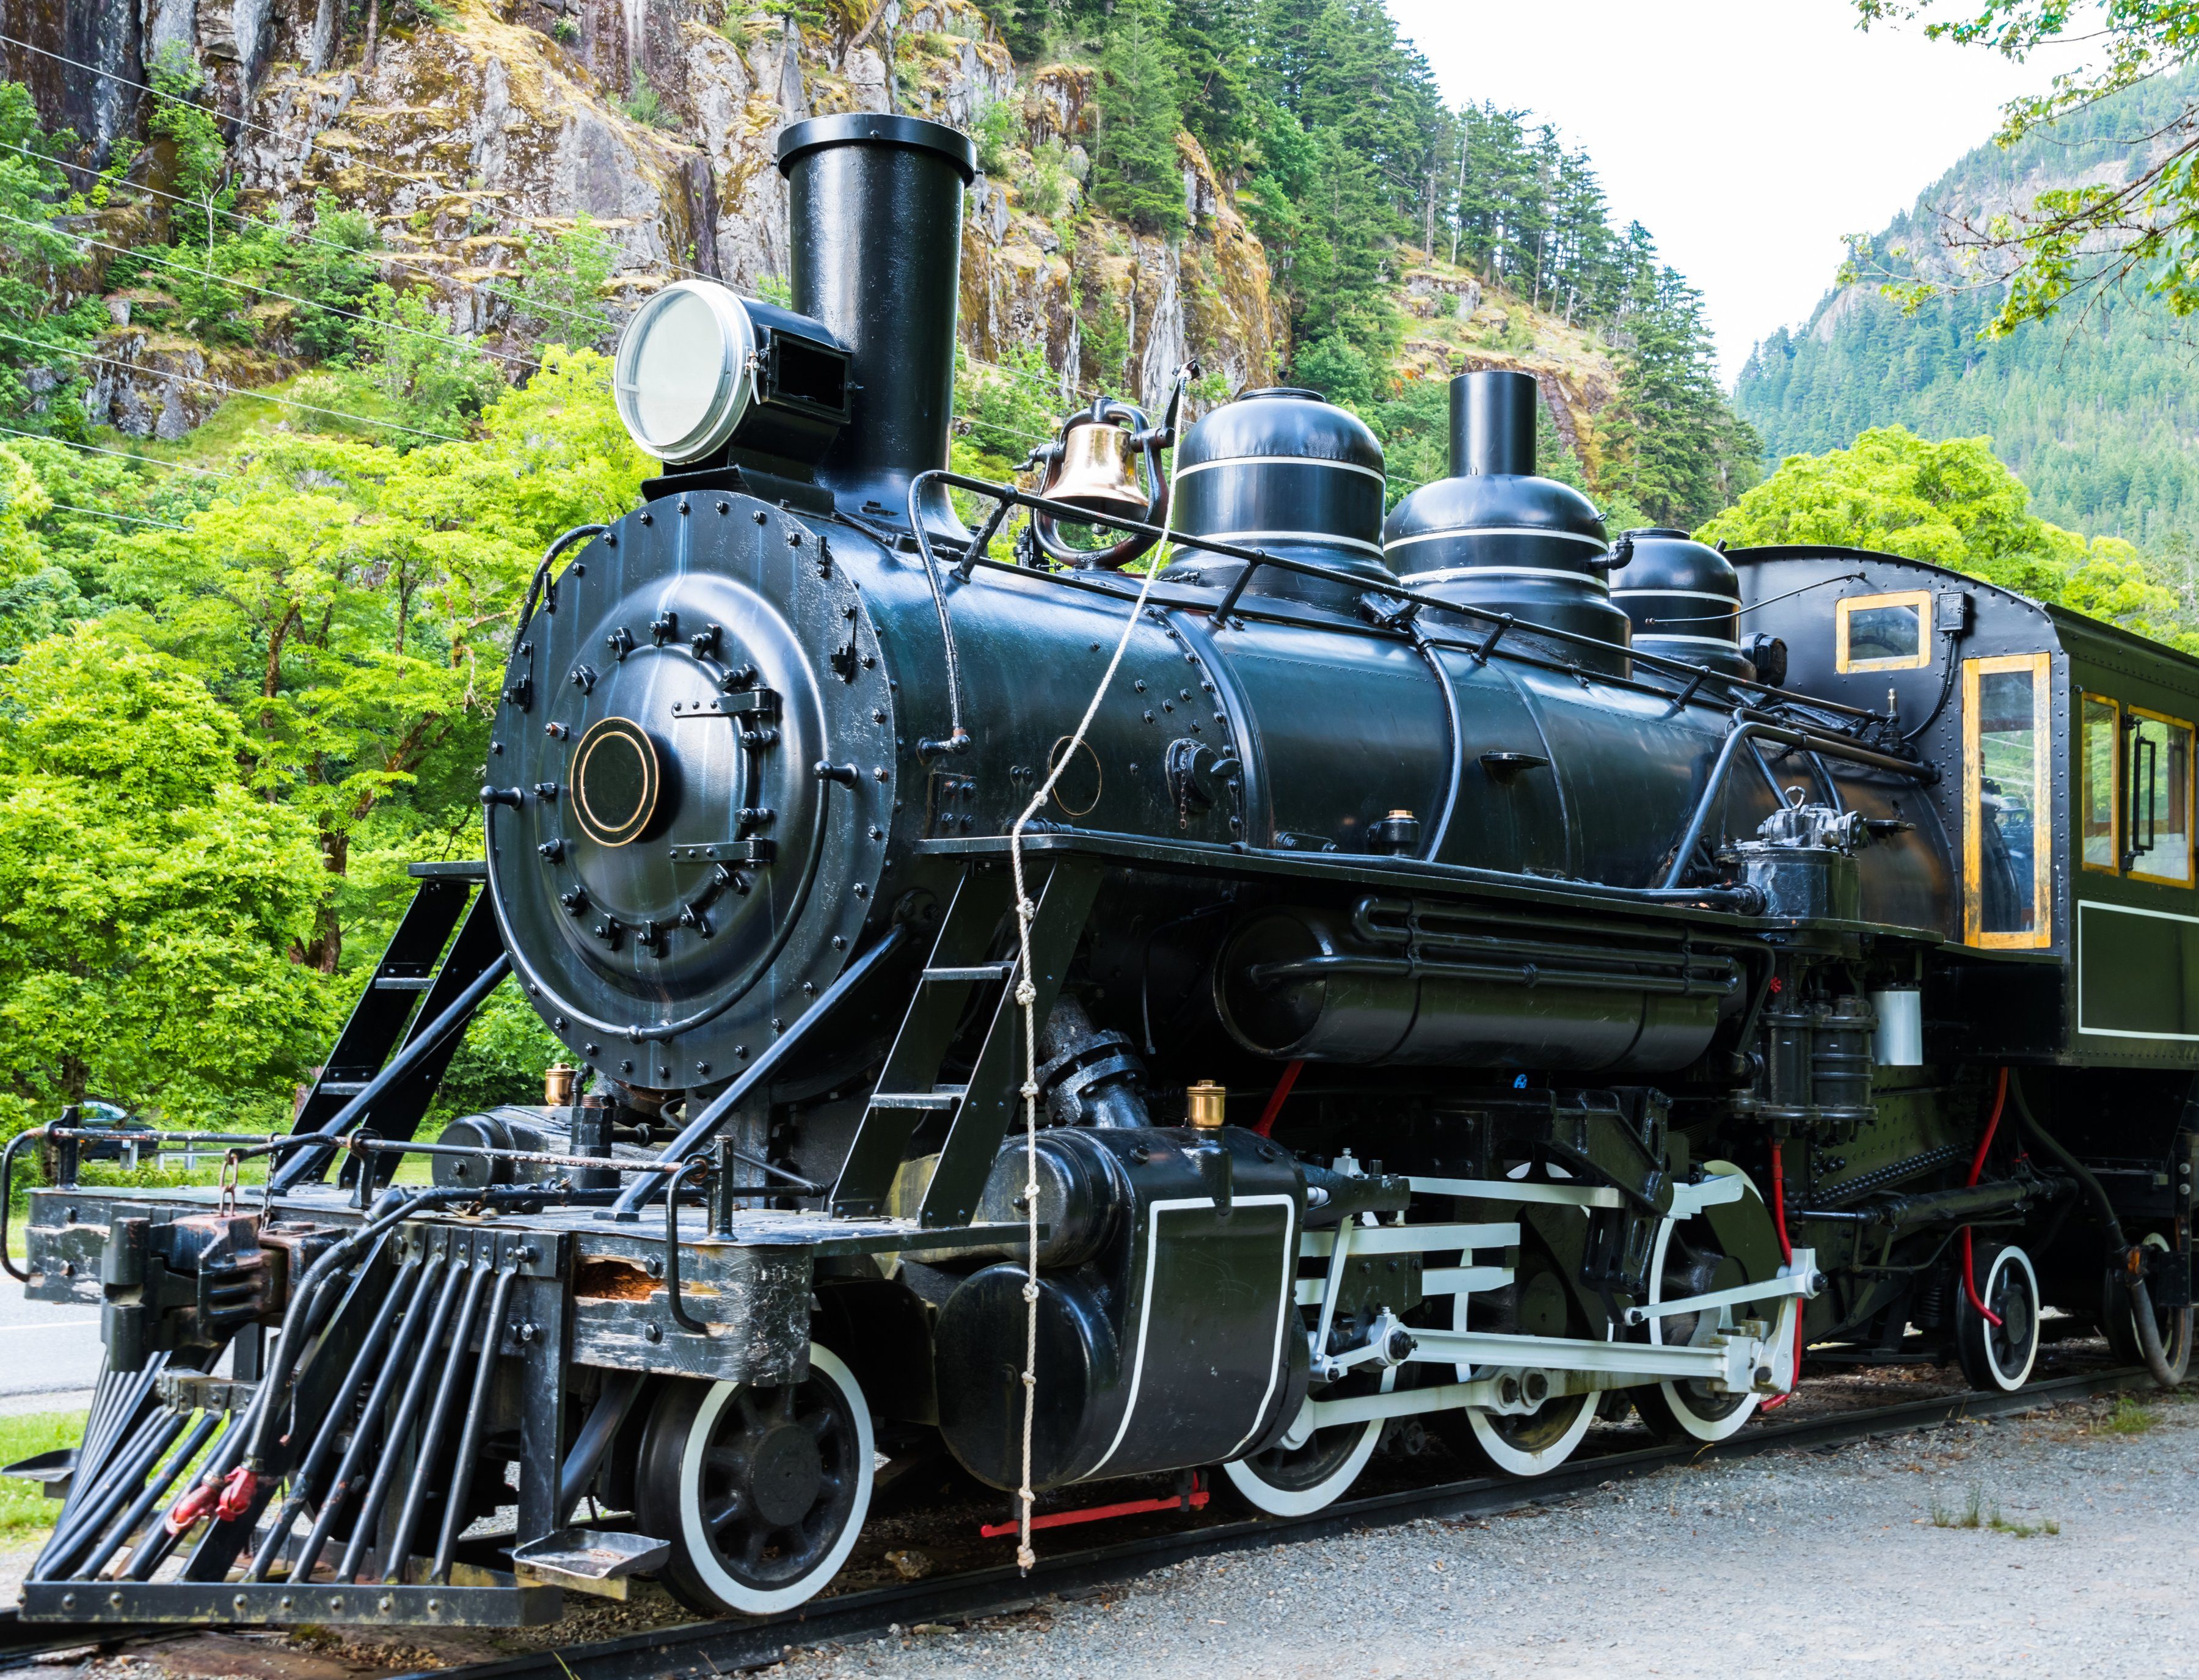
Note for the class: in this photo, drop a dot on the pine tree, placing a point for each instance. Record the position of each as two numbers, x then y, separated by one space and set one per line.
1135 171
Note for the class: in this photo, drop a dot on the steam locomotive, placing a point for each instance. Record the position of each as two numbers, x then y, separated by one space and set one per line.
1106 1010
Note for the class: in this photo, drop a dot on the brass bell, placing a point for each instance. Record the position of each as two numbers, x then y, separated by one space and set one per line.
1095 471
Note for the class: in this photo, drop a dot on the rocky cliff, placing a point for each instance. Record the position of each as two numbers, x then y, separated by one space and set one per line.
463 127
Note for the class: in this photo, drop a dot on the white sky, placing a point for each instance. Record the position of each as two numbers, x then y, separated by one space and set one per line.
1748 136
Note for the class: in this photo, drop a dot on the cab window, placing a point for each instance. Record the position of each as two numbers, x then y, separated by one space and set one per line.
1882 632
2157 798
2098 814
2005 788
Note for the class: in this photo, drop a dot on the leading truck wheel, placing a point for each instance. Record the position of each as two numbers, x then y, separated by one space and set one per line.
1998 1356
2119 1321
761 1490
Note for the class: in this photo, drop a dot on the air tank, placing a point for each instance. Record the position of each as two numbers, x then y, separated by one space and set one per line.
1684 599
1287 472
1496 536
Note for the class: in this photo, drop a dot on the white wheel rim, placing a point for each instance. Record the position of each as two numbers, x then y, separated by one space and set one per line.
2008 1382
1507 1457
1263 1496
703 1553
1515 1461
1682 1407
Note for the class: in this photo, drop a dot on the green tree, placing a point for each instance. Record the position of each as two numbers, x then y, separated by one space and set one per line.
434 377
38 374
1672 447
2136 229
150 898
1135 171
562 277
1951 504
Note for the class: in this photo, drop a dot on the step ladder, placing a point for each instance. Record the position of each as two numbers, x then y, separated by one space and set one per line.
421 974
911 1113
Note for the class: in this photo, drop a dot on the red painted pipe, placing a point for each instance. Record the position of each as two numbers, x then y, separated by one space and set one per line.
1195 1500
1786 1258
1276 1097
1977 1166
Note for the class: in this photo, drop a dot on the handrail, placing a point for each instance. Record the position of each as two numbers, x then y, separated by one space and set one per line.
1747 729
639 1194
1678 669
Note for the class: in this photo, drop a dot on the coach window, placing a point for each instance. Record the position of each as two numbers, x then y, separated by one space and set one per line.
1882 632
2006 787
2102 832
2157 798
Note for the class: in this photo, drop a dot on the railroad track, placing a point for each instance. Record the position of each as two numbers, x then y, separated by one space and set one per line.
705 1650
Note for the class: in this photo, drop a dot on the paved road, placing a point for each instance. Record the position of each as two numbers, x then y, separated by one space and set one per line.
48 1355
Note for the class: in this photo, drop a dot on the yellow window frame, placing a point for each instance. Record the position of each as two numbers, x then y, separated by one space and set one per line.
1920 599
2135 873
2114 783
2041 935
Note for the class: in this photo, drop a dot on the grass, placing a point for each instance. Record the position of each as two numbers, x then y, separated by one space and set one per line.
1977 1513
25 1510
2129 1418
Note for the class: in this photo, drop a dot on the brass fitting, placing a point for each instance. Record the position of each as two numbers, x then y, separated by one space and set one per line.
1204 1104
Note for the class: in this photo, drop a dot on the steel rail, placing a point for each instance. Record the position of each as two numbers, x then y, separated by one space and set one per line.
711 1650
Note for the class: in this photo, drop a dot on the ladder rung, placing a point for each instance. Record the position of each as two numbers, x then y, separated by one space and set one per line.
403 982
945 1097
341 1088
999 970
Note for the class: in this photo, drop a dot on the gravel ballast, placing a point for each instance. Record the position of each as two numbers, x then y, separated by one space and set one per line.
1790 1564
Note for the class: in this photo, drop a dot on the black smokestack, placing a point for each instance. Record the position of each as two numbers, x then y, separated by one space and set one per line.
875 224
1492 424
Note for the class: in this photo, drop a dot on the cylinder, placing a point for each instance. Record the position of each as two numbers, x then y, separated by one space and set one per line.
874 217
1492 424
1899 1040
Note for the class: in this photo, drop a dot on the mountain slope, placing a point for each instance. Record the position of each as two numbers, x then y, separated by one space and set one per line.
2093 411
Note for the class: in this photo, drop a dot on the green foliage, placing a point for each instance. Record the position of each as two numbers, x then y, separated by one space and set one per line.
151 899
1951 505
998 129
1212 40
1045 190
34 352
562 277
645 105
1135 173
191 131
1672 447
436 378
1339 369
2137 230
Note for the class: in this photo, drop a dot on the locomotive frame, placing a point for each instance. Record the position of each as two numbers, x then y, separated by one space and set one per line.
1624 1015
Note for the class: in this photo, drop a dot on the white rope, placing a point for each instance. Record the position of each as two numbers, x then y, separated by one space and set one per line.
1026 998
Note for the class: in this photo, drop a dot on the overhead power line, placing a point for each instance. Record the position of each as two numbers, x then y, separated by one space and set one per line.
231 390
119 454
520 300
174 266
127 518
